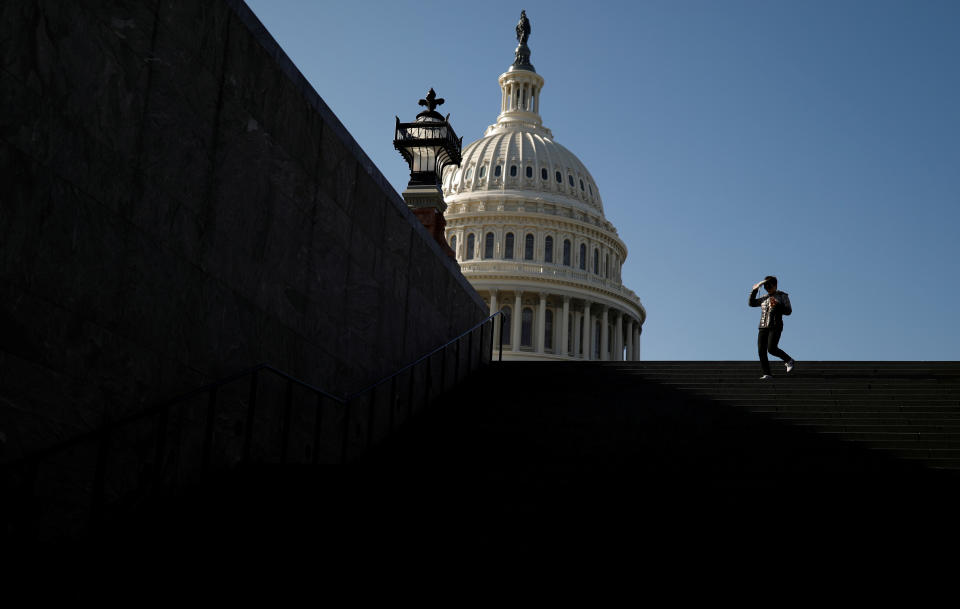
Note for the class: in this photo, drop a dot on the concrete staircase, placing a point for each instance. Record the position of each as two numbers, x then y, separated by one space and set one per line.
910 410
544 459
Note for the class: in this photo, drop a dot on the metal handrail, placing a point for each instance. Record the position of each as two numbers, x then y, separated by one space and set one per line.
152 410
156 408
428 355
25 470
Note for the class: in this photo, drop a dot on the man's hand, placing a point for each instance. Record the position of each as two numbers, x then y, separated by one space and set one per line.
757 286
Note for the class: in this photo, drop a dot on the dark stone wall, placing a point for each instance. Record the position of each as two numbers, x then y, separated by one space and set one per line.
178 203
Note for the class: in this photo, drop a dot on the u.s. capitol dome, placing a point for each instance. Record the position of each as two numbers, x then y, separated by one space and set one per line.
525 219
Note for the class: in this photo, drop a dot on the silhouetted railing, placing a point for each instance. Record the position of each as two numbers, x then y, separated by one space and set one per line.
259 415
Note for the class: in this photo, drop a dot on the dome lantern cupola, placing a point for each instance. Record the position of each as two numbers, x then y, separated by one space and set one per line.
520 85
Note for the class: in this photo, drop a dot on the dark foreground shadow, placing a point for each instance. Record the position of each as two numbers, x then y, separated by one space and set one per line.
541 465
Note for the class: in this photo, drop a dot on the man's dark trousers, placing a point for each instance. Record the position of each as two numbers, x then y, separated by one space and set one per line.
767 342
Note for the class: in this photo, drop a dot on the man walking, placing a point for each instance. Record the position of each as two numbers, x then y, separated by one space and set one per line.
773 307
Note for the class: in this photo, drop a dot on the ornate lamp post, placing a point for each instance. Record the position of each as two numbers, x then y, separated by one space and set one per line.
428 145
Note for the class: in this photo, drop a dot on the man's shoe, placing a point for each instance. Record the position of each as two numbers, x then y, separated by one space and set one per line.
765 377
790 365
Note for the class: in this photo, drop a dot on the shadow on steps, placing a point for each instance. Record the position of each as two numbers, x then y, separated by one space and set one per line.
535 463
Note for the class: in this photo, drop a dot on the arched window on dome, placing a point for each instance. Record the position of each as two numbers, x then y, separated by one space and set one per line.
566 252
508 247
596 261
471 243
528 247
505 329
548 249
469 173
496 171
559 178
543 173
581 185
526 327
583 257
513 171
570 178
606 266
548 329
453 244
529 171
483 171
590 186
488 246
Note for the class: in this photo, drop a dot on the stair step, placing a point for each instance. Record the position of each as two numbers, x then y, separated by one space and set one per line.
842 425
844 407
857 399
906 418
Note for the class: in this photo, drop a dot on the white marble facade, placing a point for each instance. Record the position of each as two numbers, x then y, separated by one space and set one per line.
525 219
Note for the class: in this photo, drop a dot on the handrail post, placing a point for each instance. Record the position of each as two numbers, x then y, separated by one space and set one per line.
208 430
371 413
345 433
492 322
251 410
502 316
21 506
428 385
470 352
391 425
161 446
317 429
456 363
99 476
285 422
443 371
410 393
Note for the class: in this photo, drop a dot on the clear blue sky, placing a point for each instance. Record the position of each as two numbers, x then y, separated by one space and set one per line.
815 140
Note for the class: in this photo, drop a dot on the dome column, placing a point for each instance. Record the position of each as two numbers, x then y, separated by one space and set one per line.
494 307
636 343
516 322
629 338
604 335
542 323
587 332
564 321
577 333
618 342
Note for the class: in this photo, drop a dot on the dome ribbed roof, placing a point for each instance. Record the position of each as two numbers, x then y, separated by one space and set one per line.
518 155
528 160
